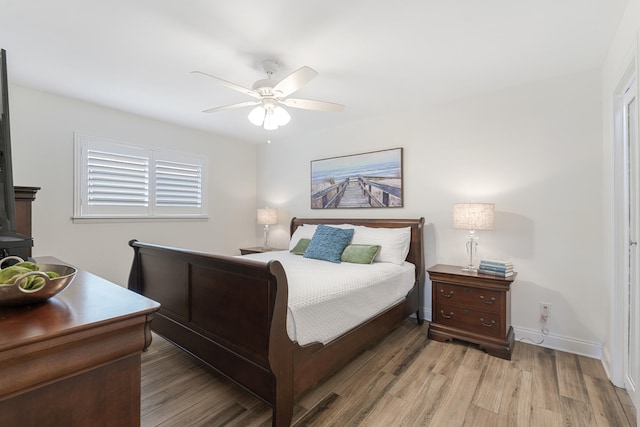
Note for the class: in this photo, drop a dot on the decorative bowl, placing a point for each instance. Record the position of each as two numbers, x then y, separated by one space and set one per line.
14 294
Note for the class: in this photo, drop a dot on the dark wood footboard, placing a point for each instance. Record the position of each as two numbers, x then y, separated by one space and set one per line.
231 313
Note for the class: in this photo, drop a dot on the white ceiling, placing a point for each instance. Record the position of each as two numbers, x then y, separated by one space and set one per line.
372 56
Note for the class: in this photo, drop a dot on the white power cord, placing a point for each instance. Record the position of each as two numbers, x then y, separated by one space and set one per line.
544 331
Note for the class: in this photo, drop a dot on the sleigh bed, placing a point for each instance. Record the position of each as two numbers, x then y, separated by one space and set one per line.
233 313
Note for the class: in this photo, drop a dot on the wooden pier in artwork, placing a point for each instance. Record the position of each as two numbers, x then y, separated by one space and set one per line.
356 192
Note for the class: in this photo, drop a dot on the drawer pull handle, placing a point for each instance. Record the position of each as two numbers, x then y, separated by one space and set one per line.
491 301
487 325
446 316
449 295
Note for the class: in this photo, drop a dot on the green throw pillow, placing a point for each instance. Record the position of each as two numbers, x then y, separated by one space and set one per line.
360 254
300 247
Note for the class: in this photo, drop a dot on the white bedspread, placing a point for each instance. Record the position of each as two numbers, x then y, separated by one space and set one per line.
327 299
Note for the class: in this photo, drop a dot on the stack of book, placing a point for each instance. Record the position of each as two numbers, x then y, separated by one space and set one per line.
496 268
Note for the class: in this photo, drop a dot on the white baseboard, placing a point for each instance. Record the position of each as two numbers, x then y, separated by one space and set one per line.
606 364
558 342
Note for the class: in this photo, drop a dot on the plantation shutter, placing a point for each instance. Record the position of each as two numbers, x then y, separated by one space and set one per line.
178 184
117 179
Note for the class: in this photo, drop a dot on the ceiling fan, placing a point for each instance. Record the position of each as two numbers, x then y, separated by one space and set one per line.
270 94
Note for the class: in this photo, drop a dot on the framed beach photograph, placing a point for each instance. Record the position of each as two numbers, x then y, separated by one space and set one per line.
367 180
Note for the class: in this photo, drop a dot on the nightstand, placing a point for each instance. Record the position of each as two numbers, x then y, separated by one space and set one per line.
258 250
472 307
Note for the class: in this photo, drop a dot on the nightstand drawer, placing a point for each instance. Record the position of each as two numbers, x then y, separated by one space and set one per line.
477 321
469 297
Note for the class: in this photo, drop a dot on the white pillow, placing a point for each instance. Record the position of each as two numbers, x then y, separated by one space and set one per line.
305 231
343 226
394 242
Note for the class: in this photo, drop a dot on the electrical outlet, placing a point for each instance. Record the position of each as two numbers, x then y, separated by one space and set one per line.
545 310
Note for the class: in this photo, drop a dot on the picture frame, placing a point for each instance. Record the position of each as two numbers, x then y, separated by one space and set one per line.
366 180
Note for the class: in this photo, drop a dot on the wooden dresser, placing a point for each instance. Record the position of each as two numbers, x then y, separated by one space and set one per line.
24 198
472 307
75 359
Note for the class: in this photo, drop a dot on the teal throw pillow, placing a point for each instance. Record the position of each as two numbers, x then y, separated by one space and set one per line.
300 247
360 254
328 243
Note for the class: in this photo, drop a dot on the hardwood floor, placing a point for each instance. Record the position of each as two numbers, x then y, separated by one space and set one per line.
405 380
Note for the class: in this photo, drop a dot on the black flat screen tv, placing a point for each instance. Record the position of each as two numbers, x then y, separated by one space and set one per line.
7 210
11 242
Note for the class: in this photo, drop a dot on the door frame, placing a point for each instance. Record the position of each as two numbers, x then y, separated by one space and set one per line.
630 377
621 266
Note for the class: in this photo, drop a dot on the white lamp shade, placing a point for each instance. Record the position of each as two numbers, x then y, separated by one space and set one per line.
268 216
281 115
256 116
473 216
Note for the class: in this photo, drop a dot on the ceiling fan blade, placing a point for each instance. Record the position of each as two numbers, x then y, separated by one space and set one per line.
310 104
230 85
294 81
232 106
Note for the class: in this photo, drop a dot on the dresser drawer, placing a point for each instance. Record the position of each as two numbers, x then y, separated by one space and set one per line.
480 322
470 297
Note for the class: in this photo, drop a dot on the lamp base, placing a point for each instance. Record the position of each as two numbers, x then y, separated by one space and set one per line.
472 247
266 236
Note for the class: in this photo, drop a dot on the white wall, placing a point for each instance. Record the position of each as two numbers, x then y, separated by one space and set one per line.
42 128
535 151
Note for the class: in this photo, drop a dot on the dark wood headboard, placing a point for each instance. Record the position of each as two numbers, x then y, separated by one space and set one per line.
416 248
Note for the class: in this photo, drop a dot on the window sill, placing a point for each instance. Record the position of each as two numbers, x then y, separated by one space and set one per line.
120 219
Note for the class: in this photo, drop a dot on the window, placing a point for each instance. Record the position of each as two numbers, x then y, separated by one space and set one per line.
116 180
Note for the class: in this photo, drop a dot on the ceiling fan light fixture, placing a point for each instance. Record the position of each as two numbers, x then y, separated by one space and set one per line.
269 93
270 122
257 115
269 117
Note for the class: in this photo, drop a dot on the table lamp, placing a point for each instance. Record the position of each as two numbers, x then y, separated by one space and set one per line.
472 217
266 217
